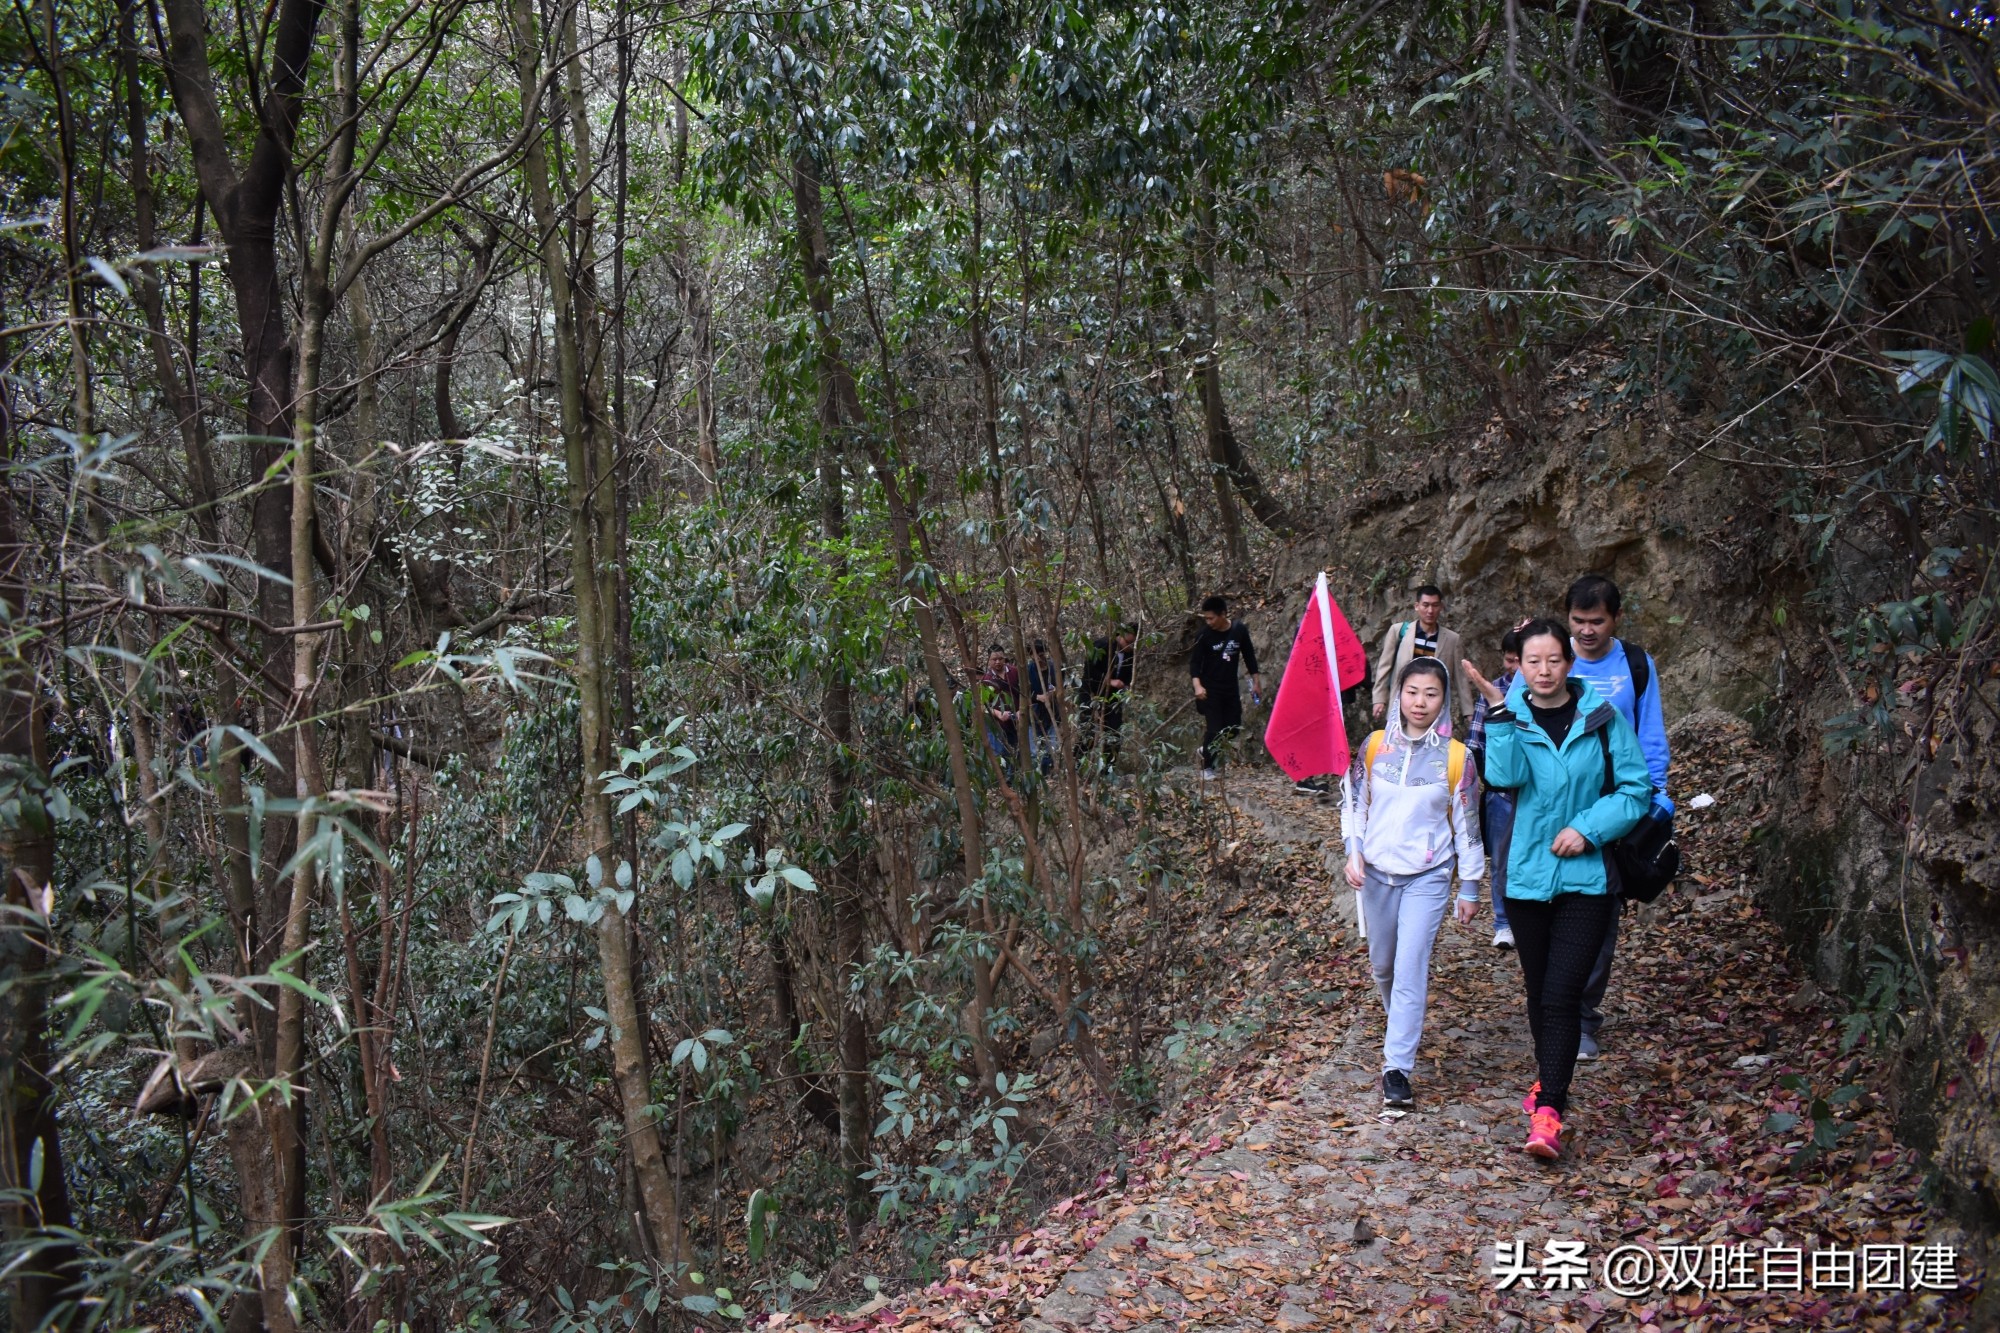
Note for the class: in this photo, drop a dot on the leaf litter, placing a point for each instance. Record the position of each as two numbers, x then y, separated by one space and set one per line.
1273 1192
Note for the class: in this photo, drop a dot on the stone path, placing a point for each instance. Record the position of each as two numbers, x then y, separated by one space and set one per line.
1324 1206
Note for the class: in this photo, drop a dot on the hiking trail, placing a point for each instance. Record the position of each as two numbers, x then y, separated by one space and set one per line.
1277 1193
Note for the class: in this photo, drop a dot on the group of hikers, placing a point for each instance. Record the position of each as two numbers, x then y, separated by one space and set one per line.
1106 682
1564 753
1526 782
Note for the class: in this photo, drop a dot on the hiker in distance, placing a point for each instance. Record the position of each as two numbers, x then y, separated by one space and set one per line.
1212 667
1625 677
1580 784
1107 676
1496 806
1410 819
1000 699
1044 706
1424 635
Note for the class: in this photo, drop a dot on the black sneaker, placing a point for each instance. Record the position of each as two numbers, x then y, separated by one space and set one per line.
1312 787
1396 1088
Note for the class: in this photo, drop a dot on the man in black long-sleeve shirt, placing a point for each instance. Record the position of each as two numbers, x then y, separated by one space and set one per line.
1212 666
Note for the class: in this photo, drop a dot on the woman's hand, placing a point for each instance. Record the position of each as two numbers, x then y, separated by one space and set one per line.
1570 843
1467 909
1357 873
1493 694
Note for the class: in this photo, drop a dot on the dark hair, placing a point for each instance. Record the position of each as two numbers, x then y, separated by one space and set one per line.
1217 604
1592 591
993 648
1510 643
1041 645
1130 627
1430 590
1541 625
1423 666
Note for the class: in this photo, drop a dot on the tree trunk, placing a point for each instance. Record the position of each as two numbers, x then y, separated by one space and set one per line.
245 203
588 454
33 1143
372 1019
180 388
849 926
284 1113
245 200
1225 455
819 1105
697 303
696 299
837 705
450 425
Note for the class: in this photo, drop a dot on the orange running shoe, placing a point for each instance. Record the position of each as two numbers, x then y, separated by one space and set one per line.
1528 1102
1545 1134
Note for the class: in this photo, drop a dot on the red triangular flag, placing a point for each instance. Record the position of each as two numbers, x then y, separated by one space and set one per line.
1307 734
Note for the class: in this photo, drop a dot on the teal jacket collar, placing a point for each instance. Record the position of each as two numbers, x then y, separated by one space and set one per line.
1591 709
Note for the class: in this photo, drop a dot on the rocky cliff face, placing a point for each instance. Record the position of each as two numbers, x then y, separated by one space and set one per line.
1504 527
1884 866
1884 869
1954 818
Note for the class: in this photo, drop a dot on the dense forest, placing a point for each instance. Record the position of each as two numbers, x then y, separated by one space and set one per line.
507 506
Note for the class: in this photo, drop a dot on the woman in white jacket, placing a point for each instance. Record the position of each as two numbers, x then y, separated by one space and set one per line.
1410 818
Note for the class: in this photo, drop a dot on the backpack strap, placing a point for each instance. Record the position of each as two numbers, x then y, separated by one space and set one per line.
1369 749
1454 773
1639 664
1612 868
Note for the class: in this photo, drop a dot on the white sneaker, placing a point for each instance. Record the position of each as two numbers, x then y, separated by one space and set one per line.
1503 938
1208 775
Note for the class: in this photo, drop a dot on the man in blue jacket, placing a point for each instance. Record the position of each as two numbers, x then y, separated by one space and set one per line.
1624 676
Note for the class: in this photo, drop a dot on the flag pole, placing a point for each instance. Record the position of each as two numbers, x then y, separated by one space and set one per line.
1324 597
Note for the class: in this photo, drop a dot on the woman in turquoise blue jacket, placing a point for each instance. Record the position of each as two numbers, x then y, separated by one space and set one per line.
1581 783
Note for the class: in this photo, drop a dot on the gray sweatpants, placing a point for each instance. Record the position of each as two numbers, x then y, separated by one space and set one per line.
1403 914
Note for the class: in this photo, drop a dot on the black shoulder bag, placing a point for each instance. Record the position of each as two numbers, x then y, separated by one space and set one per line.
1647 860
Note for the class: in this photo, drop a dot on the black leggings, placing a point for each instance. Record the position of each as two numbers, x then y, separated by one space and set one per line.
1557 942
